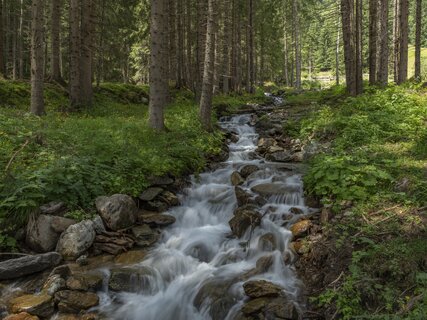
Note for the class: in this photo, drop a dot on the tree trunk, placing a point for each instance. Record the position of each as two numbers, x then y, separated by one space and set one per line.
180 66
75 49
396 32
173 60
86 52
201 39
55 41
295 12
100 55
207 86
402 74
250 86
337 49
21 41
2 38
418 27
37 57
227 44
383 47
188 44
158 63
373 40
359 46
286 57
347 12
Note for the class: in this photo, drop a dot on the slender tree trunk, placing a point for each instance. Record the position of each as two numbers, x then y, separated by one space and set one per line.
373 40
21 41
227 44
15 23
396 32
173 59
337 48
201 39
75 49
2 38
100 55
359 46
180 66
250 85
87 30
402 74
348 23
188 38
286 57
55 40
418 27
207 88
383 46
37 57
158 63
297 45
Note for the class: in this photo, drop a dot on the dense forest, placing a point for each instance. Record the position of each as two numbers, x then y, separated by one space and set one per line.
216 159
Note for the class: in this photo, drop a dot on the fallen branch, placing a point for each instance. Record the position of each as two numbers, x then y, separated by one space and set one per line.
15 154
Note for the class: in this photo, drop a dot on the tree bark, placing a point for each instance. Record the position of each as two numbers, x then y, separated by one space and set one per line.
207 86
158 63
396 32
37 57
373 40
418 20
402 74
337 49
383 46
227 44
250 85
359 46
75 49
180 61
55 41
2 65
87 31
297 45
347 12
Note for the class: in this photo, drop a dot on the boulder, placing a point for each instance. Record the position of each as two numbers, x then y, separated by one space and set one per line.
261 288
75 301
296 211
21 316
255 306
159 220
265 143
150 194
43 231
85 281
170 198
242 196
53 208
282 308
279 156
247 170
39 305
301 228
98 225
129 279
244 219
15 268
218 296
161 181
274 189
156 206
76 240
53 284
236 179
117 212
267 242
131 257
144 235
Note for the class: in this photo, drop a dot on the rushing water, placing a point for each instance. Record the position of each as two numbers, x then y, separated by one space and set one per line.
198 253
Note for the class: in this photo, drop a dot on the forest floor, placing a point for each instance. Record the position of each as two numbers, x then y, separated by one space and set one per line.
368 259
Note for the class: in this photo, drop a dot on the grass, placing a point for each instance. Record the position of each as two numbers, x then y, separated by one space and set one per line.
75 157
374 177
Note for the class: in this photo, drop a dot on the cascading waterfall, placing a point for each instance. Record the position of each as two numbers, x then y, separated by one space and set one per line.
196 268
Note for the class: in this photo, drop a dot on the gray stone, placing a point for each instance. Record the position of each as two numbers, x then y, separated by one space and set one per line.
53 208
76 240
247 170
75 301
118 211
150 194
272 189
129 279
145 236
160 220
98 225
236 179
261 288
15 268
279 156
244 219
40 235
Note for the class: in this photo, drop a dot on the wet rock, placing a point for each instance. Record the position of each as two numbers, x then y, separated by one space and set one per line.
43 231
247 170
21 316
159 220
150 194
272 189
39 305
156 206
261 288
234 138
244 219
53 284
265 143
75 301
76 240
129 279
301 228
144 235
82 260
274 149
280 156
131 257
85 281
53 208
281 308
267 242
15 268
263 264
236 179
219 297
297 157
242 196
117 212
295 210
300 247
98 225
63 271
255 306
170 198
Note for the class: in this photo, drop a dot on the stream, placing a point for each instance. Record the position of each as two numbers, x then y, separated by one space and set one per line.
195 270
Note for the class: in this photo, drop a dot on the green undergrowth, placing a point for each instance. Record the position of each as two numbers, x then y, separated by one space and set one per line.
373 174
75 157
